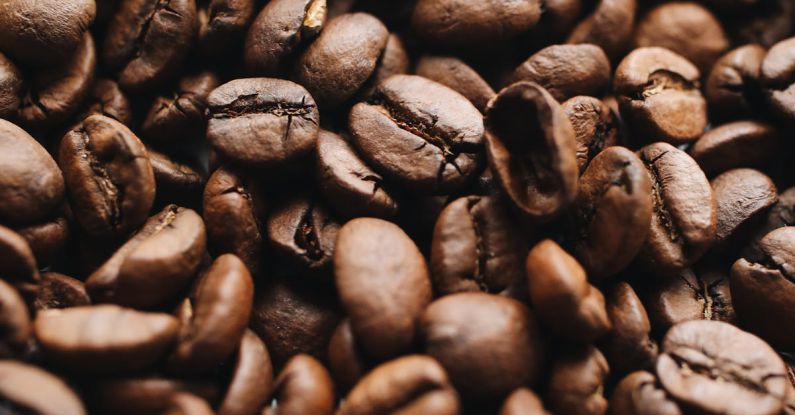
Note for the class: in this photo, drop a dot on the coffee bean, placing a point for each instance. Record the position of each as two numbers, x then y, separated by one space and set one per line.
43 33
88 340
174 179
595 127
17 263
148 40
659 96
476 247
767 23
778 79
46 239
523 402
106 98
409 384
742 196
251 380
262 121
531 150
383 284
732 88
683 223
558 18
187 404
504 327
180 116
628 346
31 185
394 60
736 144
149 395
154 265
610 26
304 232
57 290
22 387
14 324
640 393
304 386
714 367
281 30
214 317
109 178
567 70
780 215
457 75
11 87
345 361
222 23
419 133
561 295
576 383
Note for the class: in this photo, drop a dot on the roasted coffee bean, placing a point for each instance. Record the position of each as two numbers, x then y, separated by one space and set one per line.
383 284
567 70
108 175
345 362
409 384
558 18
343 57
780 215
523 402
222 23
770 21
251 380
180 116
762 288
281 30
561 295
394 60
659 95
778 79
610 26
31 186
214 318
156 264
741 196
23 386
186 404
57 290
148 40
43 33
595 127
262 121
174 179
576 383
351 187
457 328
476 22
628 346
106 98
736 144
713 367
304 232
15 325
683 223
89 340
612 212
11 87
531 150
17 263
304 386
149 395
46 239
419 133
640 393
457 75
732 88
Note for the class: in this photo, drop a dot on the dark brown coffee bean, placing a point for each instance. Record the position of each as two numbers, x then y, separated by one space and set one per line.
741 196
465 23
762 288
476 247
281 30
57 290
561 295
351 187
42 33
17 263
106 98
684 213
778 79
612 212
411 384
187 404
567 70
628 346
531 150
180 115
89 340
523 402
156 264
408 135
148 40
23 386
251 380
394 60
345 362
215 317
339 62
108 175
222 23
770 21
671 26
175 179
576 383
640 393
457 75
659 96
15 324
303 231
375 260
610 27
149 395
736 144
262 121
712 367
46 239
780 215
11 87
595 127
31 186
558 18
504 327
304 386
732 88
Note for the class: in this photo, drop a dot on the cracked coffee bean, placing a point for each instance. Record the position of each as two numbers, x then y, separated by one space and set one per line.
106 98
304 232
222 23
180 116
595 125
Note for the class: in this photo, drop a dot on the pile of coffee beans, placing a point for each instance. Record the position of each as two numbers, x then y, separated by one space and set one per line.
409 207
